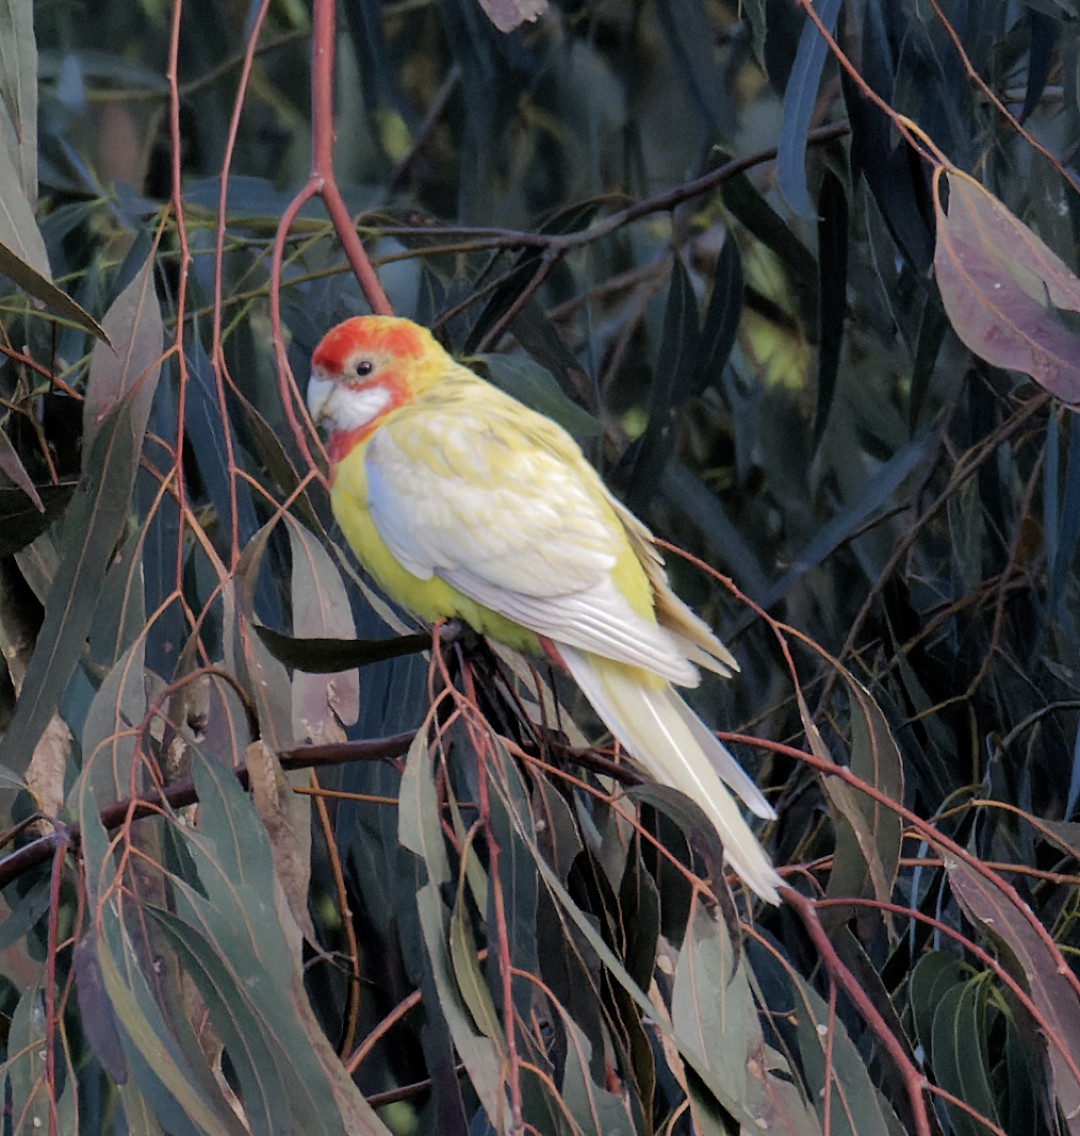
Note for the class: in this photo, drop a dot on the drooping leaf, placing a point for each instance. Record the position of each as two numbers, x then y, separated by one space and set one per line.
163 1058
29 1106
720 325
93 526
12 466
331 656
1003 288
19 92
799 100
832 293
672 382
129 372
320 607
1038 968
686 28
869 835
836 1068
1045 32
21 523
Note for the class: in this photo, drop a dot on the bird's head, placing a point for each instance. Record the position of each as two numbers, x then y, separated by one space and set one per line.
367 366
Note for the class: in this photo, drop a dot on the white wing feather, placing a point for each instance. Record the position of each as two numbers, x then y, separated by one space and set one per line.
512 528
664 734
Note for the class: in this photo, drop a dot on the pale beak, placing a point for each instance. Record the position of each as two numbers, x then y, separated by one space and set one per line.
319 393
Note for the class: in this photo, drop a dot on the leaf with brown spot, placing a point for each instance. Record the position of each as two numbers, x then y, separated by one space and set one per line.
287 820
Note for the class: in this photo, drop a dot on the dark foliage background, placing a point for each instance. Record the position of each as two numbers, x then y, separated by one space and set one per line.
798 303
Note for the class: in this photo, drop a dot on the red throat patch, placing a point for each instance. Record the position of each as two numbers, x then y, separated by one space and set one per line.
341 442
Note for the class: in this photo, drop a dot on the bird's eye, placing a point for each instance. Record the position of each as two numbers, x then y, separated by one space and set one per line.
363 368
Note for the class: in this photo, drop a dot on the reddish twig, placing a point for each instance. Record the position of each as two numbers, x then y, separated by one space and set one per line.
321 183
915 1083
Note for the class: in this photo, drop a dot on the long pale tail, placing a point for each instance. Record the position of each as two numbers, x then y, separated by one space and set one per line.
677 748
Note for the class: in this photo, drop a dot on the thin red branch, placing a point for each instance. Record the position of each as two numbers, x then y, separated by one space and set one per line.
481 743
915 1084
323 184
217 354
177 206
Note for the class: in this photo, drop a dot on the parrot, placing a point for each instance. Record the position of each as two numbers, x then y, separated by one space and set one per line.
463 503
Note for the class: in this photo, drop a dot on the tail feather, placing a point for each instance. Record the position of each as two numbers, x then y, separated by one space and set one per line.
664 734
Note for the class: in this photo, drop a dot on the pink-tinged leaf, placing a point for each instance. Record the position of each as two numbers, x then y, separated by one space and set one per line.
1039 969
509 14
1003 287
14 468
133 323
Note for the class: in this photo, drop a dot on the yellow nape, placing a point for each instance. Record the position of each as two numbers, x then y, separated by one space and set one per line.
430 600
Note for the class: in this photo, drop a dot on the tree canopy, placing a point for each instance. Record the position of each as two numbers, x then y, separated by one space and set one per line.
800 279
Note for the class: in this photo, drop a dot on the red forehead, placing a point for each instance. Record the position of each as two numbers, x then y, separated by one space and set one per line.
378 334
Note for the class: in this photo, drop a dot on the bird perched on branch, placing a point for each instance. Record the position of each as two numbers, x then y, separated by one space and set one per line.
463 503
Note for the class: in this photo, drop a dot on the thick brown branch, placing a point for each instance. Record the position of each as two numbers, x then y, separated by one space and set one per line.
180 794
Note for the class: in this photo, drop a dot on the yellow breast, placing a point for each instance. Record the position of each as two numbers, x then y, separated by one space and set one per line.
430 599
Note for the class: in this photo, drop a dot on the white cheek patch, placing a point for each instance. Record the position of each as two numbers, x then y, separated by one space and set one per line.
348 409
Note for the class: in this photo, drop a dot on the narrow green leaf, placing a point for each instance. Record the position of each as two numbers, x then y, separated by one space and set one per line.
25 911
28 1106
12 466
932 327
868 835
856 1107
832 293
94 524
332 656
470 979
419 828
481 1056
23 258
715 1018
677 365
19 91
960 1059
126 367
120 613
690 35
800 97
598 1111
721 323
110 745
1039 968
